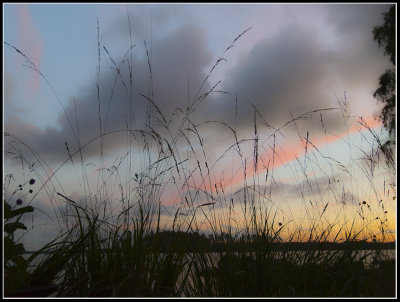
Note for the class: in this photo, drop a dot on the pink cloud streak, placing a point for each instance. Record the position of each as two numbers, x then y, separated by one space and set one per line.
285 153
29 41
292 151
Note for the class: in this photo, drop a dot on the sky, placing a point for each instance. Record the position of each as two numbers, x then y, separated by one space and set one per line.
287 60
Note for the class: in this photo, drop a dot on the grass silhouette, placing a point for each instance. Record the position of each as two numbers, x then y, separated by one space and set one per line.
105 248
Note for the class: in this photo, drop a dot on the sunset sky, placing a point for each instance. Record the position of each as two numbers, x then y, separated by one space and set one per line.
295 58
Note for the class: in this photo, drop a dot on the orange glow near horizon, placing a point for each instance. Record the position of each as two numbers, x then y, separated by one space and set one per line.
340 222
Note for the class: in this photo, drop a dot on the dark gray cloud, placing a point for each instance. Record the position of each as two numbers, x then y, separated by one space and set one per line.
177 59
354 20
278 76
297 72
361 60
291 72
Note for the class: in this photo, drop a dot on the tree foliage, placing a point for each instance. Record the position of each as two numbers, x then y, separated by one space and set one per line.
385 36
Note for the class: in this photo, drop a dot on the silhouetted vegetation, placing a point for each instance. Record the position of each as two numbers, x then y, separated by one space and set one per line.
131 253
187 242
385 36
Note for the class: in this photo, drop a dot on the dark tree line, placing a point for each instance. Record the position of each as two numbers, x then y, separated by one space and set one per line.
198 242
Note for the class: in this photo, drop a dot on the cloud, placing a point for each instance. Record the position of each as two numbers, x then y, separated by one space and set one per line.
279 76
352 19
178 59
294 72
147 22
290 72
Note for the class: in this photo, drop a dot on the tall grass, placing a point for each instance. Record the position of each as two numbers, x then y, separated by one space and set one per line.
110 242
